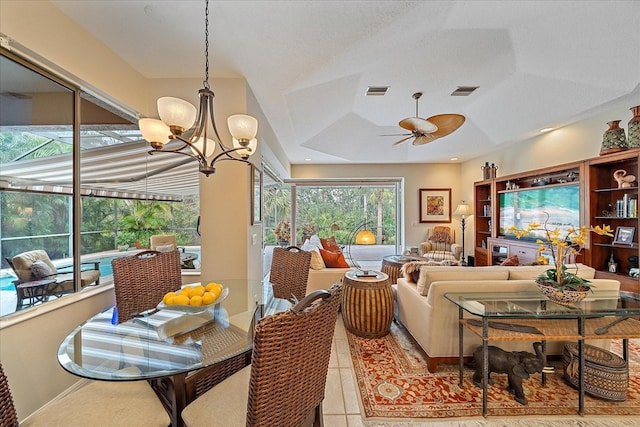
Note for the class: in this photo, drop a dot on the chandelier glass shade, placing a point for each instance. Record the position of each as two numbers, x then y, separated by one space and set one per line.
183 129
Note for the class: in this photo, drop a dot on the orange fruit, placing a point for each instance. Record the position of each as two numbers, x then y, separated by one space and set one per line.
212 285
208 298
169 296
195 300
197 290
215 292
181 299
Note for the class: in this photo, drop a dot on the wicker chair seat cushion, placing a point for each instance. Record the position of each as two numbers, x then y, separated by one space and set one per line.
22 263
228 399
116 404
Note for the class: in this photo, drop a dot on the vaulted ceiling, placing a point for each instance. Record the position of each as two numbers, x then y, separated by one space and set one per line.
536 63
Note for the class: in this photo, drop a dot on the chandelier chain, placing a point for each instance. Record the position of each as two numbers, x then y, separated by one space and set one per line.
206 45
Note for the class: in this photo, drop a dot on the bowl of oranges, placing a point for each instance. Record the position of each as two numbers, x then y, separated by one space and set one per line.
194 298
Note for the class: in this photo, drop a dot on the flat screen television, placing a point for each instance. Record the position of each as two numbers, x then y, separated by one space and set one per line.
522 207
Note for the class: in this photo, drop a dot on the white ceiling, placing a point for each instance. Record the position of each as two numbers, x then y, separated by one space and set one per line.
537 63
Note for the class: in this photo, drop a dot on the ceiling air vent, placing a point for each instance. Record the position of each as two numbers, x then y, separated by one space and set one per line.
377 90
464 90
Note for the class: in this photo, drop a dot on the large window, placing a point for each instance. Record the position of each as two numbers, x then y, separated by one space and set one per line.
76 179
335 208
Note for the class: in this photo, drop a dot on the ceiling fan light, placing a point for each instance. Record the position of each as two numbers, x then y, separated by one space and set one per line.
248 149
242 126
154 131
416 123
176 113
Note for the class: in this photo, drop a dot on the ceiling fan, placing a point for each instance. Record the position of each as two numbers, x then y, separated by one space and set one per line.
427 130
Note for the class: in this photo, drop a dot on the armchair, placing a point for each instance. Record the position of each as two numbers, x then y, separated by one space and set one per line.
440 245
38 278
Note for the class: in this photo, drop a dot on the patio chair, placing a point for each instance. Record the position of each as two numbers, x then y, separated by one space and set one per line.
101 403
140 281
290 273
34 268
164 243
285 384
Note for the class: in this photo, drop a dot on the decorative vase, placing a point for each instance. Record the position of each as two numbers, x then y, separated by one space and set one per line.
613 139
633 132
566 297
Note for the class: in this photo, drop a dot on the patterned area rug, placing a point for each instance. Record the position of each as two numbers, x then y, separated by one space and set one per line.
394 382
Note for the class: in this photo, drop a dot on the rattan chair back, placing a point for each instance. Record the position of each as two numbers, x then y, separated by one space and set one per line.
290 361
290 272
8 414
140 281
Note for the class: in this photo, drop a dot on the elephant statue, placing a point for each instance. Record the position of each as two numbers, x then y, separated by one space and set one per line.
516 364
623 180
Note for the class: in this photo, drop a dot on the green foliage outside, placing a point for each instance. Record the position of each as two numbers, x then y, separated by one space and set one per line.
343 207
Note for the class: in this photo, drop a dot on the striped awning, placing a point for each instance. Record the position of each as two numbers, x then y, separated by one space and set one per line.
124 170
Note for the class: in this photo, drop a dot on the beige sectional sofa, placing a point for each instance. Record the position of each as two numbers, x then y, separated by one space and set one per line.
433 320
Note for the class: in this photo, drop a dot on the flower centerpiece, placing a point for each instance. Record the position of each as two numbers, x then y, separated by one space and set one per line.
283 232
558 283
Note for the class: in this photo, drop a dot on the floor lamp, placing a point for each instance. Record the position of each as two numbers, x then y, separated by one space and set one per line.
463 209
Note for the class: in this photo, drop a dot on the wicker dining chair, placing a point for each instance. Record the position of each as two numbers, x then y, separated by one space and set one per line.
140 281
285 384
103 403
290 273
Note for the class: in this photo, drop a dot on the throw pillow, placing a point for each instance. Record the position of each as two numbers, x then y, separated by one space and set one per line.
330 244
411 271
316 259
441 235
41 270
333 259
511 261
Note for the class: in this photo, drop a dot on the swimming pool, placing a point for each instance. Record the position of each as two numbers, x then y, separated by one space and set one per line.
105 268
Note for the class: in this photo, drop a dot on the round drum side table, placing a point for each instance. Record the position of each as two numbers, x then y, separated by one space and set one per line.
367 304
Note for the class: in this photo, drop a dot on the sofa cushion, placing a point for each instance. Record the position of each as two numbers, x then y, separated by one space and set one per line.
430 274
317 263
333 259
439 256
532 271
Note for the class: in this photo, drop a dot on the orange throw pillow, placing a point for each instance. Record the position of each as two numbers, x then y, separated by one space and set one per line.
330 244
333 259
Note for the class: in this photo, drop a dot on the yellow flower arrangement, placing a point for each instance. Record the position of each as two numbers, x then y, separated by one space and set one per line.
561 244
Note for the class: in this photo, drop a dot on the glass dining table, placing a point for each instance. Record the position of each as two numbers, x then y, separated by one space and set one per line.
181 354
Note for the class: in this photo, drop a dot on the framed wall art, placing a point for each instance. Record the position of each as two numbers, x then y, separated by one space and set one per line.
435 205
256 196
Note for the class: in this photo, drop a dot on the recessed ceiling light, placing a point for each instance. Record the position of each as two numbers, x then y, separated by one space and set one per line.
545 130
454 159
307 159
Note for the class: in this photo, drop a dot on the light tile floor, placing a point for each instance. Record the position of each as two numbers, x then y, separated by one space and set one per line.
341 405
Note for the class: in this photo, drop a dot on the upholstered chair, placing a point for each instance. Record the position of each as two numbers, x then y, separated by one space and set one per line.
440 245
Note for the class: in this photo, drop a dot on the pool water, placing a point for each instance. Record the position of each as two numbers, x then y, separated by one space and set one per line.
105 269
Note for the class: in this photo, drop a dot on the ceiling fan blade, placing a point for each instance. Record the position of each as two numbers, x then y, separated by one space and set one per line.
418 124
446 123
402 140
397 134
424 139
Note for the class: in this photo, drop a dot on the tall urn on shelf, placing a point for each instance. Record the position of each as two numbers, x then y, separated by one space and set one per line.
633 131
613 139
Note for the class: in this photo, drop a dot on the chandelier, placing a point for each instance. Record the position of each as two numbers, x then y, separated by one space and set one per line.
194 133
